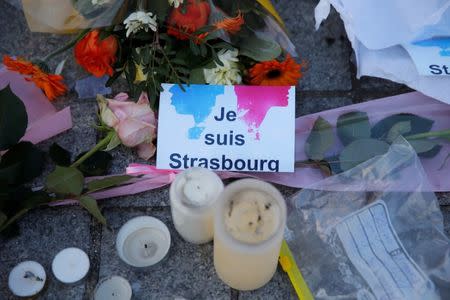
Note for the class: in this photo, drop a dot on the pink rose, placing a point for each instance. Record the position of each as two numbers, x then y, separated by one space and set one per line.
134 123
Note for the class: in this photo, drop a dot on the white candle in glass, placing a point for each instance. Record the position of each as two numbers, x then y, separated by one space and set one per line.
143 241
193 195
27 279
70 265
248 230
113 288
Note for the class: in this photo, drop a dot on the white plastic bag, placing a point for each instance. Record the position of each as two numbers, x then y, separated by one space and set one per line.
364 234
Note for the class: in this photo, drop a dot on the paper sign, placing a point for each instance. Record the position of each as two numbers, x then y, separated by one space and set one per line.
431 57
228 128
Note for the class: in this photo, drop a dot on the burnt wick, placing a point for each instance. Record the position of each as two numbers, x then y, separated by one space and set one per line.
30 275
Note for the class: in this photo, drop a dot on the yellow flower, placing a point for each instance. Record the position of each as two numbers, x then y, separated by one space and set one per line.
140 76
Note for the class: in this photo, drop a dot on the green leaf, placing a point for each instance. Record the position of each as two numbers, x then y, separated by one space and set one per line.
13 119
399 129
96 165
160 8
36 199
107 182
59 155
113 143
426 148
418 125
259 49
353 126
91 205
22 163
320 140
66 181
197 76
360 151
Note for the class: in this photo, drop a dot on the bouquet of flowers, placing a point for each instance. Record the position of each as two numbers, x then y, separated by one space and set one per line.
150 42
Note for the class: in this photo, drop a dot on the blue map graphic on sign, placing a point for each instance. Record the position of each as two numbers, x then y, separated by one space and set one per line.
440 42
197 101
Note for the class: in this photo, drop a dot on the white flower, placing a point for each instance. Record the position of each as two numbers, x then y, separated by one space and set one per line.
176 3
229 73
140 21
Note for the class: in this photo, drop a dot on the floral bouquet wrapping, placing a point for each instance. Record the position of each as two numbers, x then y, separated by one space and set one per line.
150 42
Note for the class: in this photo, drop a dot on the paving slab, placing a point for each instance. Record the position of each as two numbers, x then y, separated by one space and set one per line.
325 51
43 233
309 105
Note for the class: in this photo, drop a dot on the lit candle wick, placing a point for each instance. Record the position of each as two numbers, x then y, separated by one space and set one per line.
30 275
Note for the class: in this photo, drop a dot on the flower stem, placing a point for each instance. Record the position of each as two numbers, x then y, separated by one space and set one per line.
67 46
100 145
442 133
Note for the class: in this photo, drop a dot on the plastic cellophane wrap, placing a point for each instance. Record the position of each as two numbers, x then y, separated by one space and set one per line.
71 16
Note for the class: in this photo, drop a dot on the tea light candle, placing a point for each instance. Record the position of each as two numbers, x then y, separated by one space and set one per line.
27 279
70 265
248 230
113 288
193 195
143 241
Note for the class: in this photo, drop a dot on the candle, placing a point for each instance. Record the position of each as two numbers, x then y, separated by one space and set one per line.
143 241
193 195
248 230
27 279
70 265
113 288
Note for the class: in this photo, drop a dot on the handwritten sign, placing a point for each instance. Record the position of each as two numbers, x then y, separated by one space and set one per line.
228 128
431 57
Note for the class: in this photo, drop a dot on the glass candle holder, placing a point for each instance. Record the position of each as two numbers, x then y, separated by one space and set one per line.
249 225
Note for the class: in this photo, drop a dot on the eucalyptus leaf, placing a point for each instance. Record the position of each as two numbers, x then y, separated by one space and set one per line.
418 125
353 126
107 182
399 129
59 155
320 140
360 151
426 148
259 49
66 181
13 119
90 204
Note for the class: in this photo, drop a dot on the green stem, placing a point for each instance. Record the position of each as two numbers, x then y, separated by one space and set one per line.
442 133
100 145
14 218
67 46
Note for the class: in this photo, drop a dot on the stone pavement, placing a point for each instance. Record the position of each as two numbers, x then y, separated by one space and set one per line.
188 270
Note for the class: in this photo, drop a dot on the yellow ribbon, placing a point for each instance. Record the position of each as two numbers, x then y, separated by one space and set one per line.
267 4
287 262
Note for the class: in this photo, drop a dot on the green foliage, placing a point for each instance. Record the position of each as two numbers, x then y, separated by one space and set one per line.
361 142
90 204
59 155
97 164
13 119
353 126
65 181
361 150
107 182
320 140
259 49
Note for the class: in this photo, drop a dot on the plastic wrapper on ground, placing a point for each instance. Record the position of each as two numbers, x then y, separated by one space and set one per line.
373 232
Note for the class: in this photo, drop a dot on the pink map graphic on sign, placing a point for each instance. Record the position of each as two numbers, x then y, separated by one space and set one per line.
256 101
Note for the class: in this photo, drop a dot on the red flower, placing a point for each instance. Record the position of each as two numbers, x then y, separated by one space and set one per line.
184 21
96 55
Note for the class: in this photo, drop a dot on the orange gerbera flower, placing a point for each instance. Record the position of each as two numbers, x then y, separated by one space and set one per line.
51 84
19 65
277 73
231 25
